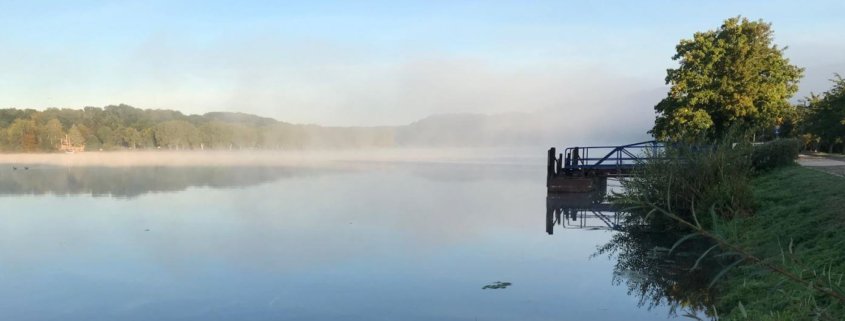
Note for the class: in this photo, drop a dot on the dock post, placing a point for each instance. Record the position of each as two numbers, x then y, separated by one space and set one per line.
560 164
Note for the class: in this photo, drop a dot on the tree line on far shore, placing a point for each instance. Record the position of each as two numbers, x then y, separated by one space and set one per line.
124 127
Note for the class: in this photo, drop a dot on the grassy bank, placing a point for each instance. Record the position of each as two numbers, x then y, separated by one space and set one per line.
799 223
763 234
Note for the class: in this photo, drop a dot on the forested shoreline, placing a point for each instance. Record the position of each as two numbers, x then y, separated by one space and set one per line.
123 127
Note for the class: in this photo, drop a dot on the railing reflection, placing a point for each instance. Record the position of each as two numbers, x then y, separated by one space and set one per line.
582 210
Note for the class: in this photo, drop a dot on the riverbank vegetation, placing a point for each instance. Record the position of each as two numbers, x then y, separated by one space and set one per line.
733 226
797 226
735 229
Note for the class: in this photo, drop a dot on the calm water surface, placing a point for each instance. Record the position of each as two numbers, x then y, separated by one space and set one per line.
357 241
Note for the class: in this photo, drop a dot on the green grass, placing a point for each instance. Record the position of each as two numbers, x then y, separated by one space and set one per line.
799 209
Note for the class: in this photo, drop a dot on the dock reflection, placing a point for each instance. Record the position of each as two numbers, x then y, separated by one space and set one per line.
581 210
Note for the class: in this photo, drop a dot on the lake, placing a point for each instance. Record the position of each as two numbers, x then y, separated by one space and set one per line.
358 240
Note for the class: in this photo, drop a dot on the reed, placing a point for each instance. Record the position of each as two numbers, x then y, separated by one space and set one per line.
712 193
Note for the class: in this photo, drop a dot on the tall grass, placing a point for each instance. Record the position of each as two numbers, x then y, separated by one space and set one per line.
685 180
701 193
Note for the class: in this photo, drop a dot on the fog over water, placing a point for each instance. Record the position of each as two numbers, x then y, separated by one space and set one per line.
338 160
352 239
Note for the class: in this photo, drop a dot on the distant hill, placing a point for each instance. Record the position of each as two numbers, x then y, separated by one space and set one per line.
242 118
469 130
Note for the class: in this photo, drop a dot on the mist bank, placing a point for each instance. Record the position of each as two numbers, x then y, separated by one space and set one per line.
344 159
123 127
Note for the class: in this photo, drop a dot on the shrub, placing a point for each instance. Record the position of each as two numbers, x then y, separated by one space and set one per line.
687 180
776 153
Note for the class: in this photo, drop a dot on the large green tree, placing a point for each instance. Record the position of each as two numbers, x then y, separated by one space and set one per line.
729 78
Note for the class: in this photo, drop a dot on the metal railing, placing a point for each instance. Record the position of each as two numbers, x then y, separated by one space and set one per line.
605 158
596 157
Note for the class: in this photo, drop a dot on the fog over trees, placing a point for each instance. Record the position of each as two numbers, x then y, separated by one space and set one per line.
123 127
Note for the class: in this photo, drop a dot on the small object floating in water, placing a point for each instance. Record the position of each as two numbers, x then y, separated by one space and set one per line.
497 285
26 168
147 230
14 168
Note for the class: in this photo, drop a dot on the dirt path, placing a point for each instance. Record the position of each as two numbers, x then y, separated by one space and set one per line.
835 166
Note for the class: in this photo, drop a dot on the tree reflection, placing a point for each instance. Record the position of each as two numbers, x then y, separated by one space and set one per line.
644 263
136 181
656 276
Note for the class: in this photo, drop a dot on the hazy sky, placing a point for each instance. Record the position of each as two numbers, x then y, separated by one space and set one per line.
376 62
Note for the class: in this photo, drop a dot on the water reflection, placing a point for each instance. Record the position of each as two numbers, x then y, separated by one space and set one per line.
642 259
305 245
130 182
581 210
657 277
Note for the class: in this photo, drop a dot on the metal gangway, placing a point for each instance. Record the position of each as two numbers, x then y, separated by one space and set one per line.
601 160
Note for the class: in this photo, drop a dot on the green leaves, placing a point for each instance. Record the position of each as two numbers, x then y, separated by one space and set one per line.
825 115
731 77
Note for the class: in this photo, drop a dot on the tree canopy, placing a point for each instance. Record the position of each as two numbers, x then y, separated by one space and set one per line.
824 117
729 78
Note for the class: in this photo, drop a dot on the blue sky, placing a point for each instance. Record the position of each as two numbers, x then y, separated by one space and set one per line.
376 62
